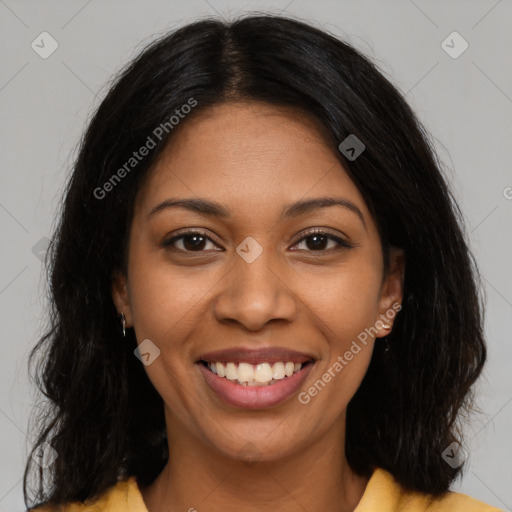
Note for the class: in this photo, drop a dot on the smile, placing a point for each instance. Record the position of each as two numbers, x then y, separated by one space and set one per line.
251 378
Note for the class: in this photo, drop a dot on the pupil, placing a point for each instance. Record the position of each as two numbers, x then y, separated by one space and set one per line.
197 244
317 245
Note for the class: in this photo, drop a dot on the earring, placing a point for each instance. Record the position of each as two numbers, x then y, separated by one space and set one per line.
123 321
386 326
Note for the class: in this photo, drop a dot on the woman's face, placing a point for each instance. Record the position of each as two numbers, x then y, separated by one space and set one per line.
253 279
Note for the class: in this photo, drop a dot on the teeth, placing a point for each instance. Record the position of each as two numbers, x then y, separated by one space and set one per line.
231 371
262 374
278 371
245 372
221 372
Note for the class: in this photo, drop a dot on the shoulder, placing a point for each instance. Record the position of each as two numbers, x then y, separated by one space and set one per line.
124 495
384 494
455 501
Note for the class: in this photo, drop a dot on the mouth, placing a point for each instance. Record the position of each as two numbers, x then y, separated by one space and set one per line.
255 379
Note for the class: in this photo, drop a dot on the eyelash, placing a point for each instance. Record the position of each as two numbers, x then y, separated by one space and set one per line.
342 244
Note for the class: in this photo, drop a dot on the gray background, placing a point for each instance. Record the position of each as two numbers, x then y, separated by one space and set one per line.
465 102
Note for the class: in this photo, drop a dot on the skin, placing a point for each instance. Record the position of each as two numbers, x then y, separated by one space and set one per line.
254 160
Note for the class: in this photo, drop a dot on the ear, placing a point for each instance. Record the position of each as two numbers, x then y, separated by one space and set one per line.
121 296
391 295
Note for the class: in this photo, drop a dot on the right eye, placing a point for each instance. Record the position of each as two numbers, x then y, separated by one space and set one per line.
191 241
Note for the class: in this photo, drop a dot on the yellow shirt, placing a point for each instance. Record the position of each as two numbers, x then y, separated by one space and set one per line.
382 494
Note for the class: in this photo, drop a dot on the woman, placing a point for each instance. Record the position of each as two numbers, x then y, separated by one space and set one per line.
299 325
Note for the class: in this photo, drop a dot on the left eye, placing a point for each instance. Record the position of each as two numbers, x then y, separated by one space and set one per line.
319 240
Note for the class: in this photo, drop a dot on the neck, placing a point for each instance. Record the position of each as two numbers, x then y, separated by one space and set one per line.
197 477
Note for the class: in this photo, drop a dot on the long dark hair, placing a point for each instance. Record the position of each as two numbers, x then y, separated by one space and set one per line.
103 417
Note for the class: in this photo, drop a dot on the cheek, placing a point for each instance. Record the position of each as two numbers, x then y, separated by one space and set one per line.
164 298
165 306
345 300
345 309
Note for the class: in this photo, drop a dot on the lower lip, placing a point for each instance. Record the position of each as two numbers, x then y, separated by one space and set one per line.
255 397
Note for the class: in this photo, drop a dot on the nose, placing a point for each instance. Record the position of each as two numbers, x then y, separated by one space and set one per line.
255 293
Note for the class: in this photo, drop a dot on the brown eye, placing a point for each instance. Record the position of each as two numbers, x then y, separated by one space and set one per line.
190 241
319 241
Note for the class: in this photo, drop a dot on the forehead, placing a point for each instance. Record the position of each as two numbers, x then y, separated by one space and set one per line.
251 156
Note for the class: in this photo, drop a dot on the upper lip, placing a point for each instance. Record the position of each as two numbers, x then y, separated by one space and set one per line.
256 356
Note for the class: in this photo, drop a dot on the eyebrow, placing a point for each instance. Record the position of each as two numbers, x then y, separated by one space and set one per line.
213 209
